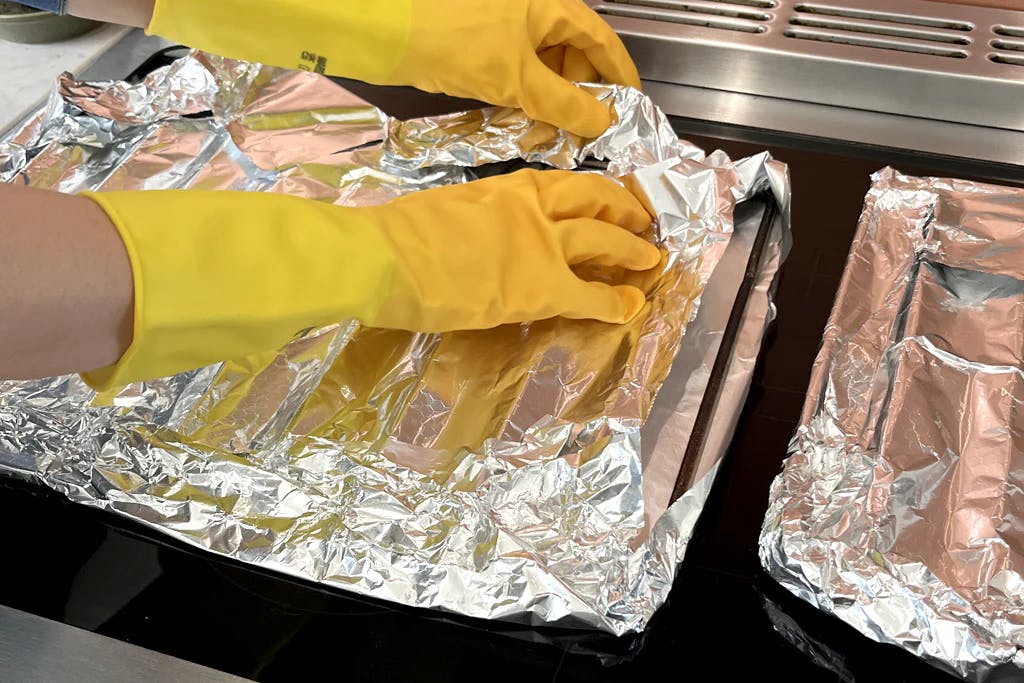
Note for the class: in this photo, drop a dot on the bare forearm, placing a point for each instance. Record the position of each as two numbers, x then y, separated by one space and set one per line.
126 12
65 285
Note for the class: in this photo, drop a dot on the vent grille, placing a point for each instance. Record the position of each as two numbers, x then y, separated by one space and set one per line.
1010 47
881 30
745 16
946 61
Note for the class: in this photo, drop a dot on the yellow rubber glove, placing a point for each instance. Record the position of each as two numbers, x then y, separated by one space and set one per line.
514 53
221 275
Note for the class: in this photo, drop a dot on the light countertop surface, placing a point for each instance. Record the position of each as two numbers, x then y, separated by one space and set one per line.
29 71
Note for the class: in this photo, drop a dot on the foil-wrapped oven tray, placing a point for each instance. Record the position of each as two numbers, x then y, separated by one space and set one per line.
900 509
524 473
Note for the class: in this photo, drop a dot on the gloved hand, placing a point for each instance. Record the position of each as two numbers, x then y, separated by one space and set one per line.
514 53
221 275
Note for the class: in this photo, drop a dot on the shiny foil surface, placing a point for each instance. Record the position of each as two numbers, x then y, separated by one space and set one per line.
900 509
499 474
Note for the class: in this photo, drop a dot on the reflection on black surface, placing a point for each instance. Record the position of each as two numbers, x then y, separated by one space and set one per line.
835 647
818 652
64 562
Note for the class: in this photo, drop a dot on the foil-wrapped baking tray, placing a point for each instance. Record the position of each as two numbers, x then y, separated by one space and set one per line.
525 473
900 507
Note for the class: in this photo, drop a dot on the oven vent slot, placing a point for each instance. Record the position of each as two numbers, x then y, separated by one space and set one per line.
1009 31
1007 45
845 38
879 30
745 16
843 12
1011 60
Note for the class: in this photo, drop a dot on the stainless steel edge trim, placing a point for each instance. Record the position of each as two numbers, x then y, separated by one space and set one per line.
835 123
34 649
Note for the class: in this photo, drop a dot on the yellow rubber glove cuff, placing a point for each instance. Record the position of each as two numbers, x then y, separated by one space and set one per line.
221 275
361 40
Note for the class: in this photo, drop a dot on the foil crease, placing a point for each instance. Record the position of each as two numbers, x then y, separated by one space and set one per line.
900 508
496 474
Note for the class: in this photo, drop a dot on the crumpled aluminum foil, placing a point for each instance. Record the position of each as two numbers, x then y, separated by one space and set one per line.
497 474
900 508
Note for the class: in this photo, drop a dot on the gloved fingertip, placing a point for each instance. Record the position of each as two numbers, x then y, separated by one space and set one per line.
632 184
634 253
548 97
577 68
649 256
592 119
633 301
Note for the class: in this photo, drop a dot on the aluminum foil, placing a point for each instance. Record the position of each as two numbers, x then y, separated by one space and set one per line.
900 509
496 474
